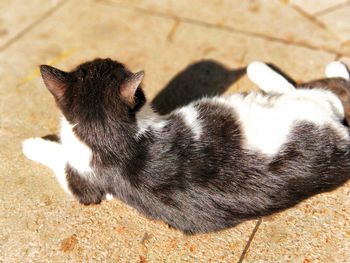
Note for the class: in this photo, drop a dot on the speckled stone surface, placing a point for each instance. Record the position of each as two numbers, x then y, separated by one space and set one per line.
316 7
276 20
338 21
317 230
18 17
39 223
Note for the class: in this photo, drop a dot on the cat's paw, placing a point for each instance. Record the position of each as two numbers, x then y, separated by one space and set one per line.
34 149
109 197
90 199
337 69
267 79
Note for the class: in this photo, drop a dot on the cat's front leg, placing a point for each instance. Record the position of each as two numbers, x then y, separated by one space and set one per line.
48 153
84 188
268 79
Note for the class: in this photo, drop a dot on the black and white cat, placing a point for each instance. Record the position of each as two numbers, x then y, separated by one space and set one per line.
204 167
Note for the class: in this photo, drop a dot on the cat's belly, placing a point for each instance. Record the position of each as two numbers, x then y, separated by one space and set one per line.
267 122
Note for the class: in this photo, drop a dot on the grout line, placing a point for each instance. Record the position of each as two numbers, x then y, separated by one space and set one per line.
313 18
172 31
337 57
32 25
251 237
331 9
308 16
223 28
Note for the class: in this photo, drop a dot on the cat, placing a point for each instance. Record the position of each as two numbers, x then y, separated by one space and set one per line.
202 168
337 80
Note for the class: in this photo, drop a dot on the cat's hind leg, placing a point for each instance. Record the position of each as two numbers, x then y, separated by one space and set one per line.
48 153
337 69
267 79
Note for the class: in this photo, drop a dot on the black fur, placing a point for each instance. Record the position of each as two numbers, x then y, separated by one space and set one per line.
193 185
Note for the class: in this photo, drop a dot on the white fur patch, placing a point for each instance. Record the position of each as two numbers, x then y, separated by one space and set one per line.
109 197
190 116
337 69
267 121
267 79
147 118
49 154
77 153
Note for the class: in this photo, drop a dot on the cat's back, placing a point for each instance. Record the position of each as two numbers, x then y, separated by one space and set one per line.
223 157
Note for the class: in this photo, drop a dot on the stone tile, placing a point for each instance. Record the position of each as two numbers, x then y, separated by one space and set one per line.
339 22
42 223
17 16
317 230
313 7
249 17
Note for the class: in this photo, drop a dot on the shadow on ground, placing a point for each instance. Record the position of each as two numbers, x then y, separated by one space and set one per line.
205 78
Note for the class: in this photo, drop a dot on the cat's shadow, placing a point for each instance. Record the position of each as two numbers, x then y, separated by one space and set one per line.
205 78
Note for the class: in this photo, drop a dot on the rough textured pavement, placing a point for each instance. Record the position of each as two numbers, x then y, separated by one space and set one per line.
183 46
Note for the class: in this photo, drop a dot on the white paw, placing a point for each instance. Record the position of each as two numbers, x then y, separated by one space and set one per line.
256 68
267 79
34 149
109 197
337 69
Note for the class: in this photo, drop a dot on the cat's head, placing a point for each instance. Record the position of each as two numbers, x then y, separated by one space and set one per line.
96 92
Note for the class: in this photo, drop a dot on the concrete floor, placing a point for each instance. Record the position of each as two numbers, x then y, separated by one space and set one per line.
39 223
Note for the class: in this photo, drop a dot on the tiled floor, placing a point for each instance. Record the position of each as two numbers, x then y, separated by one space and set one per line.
176 42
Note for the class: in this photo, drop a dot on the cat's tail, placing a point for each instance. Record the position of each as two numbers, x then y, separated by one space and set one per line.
267 79
337 69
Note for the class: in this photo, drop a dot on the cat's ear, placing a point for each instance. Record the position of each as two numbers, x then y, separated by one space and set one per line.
55 80
130 85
